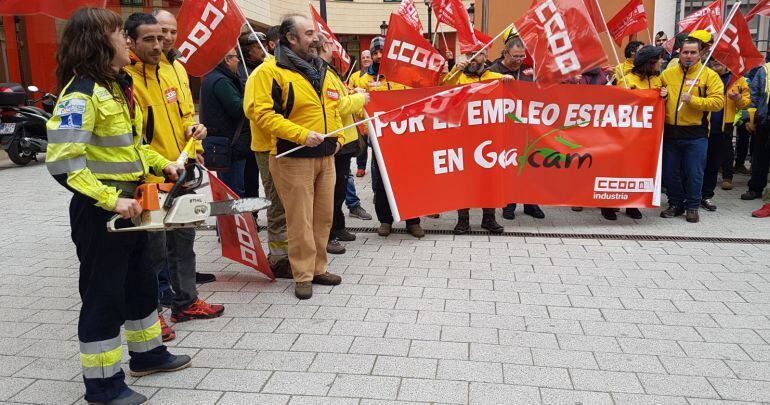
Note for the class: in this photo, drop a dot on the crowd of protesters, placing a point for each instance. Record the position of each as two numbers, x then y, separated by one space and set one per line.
126 110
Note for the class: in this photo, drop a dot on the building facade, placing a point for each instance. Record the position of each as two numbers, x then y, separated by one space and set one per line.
28 43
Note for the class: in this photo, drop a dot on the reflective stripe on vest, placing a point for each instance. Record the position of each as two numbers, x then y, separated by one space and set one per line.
97 167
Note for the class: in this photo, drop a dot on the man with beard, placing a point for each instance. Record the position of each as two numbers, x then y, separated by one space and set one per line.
374 81
295 101
512 63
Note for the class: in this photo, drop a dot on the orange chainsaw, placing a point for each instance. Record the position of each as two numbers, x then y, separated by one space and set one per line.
168 206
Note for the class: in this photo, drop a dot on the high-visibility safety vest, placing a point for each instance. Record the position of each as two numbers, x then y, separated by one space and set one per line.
94 136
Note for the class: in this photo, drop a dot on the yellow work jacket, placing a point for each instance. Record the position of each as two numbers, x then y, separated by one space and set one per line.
260 141
626 68
636 82
287 106
180 80
378 83
355 80
349 106
463 78
707 95
740 86
93 136
166 113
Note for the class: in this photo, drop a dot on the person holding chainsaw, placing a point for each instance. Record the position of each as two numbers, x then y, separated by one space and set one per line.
95 150
168 124
295 101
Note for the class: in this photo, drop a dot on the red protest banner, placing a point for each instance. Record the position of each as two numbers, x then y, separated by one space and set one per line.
238 233
341 59
568 147
762 8
629 20
55 8
408 58
410 14
207 31
562 40
736 50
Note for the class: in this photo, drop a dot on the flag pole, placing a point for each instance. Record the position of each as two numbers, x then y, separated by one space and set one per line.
434 35
350 70
649 36
248 24
733 11
243 58
483 48
612 42
446 45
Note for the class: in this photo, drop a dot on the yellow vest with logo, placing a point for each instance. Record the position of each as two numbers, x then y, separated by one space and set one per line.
166 110
92 137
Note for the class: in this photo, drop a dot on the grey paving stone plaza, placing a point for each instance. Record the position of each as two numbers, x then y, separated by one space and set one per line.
452 320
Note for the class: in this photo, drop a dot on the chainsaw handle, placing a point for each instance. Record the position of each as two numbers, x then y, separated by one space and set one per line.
111 224
175 189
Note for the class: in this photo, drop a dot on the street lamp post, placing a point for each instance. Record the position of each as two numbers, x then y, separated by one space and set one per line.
322 6
384 28
430 11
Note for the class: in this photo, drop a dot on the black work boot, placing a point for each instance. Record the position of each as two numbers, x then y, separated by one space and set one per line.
463 222
489 223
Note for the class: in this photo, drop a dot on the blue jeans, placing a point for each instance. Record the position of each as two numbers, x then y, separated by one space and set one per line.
684 162
235 177
351 198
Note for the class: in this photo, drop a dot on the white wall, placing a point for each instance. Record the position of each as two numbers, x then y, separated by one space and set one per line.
665 16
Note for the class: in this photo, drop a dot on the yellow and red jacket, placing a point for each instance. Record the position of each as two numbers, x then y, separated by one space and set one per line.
350 106
372 83
283 103
708 95
164 94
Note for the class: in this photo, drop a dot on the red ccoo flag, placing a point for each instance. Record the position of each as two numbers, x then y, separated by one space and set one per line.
206 33
238 233
408 58
409 12
629 20
341 59
736 50
55 8
762 8
454 14
693 21
562 40
449 106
